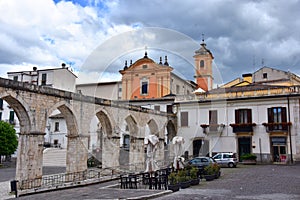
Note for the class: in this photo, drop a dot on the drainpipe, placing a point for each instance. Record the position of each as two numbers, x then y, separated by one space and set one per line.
289 129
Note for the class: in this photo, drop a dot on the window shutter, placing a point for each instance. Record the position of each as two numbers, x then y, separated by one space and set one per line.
283 114
270 115
249 116
237 117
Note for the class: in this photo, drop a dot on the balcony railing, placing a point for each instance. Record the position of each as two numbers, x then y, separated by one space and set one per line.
212 128
277 126
243 127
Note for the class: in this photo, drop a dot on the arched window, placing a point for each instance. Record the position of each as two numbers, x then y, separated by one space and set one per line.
201 63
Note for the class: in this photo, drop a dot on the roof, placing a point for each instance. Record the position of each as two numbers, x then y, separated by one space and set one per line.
41 70
99 83
57 116
249 87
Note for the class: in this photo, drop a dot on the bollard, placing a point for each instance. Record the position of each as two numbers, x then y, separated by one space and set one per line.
13 187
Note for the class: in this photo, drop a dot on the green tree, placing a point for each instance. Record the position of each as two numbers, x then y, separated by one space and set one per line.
8 139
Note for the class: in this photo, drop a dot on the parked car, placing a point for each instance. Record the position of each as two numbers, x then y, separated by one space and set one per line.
226 159
201 163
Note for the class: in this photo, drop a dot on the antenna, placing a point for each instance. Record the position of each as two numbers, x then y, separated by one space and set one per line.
262 62
202 38
254 62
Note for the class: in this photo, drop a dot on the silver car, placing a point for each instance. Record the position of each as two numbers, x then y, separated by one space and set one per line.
226 159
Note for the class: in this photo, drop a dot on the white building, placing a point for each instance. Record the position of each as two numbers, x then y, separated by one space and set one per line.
59 78
259 118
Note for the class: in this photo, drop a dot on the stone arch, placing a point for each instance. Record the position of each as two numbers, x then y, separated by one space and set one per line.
105 123
132 125
68 113
77 152
22 111
169 148
171 131
153 127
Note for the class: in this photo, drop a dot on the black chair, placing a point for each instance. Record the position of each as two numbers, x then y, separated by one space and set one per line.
132 181
162 182
145 178
124 181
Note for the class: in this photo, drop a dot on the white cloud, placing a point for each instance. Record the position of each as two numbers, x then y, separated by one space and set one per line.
44 33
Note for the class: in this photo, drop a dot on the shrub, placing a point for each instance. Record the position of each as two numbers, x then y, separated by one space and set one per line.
194 172
173 178
248 156
209 170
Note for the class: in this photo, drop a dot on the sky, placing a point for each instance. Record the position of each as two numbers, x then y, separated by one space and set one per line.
95 37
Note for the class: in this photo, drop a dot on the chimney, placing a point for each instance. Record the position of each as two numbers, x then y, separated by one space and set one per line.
34 68
63 65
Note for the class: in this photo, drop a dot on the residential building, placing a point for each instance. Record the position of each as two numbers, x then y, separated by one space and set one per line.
244 117
60 78
107 90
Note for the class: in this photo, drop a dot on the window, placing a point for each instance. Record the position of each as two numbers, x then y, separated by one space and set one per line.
1 104
0 115
157 108
144 86
184 118
169 109
126 141
177 89
44 79
277 115
243 116
15 78
11 117
265 75
145 66
202 63
213 120
56 128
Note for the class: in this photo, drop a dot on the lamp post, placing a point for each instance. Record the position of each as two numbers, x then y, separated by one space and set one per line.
49 133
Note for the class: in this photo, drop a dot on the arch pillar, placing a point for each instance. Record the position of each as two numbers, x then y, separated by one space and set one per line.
111 151
77 153
137 149
30 158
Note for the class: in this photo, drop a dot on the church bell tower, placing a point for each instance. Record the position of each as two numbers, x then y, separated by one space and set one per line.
203 67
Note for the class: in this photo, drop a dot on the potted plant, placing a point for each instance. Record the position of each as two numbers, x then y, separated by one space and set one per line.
209 173
184 179
194 176
216 168
249 159
173 182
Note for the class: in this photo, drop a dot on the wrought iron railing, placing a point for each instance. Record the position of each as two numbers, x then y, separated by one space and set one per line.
95 174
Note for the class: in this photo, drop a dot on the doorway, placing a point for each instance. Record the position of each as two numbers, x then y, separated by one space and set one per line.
278 145
244 146
196 147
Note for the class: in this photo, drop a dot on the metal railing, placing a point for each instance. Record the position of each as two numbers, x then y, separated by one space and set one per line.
95 174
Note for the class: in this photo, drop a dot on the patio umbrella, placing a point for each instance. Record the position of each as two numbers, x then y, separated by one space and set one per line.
178 160
151 141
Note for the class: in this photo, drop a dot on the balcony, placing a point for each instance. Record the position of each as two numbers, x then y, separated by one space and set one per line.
277 126
212 128
243 128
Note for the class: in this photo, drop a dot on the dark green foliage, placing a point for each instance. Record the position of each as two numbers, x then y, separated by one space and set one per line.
8 139
248 156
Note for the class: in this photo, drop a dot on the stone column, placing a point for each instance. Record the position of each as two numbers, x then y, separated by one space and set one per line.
30 159
137 154
110 151
77 153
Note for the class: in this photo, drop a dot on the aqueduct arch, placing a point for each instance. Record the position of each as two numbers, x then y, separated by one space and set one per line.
33 105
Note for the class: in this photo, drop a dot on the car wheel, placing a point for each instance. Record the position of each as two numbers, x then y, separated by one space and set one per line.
231 165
